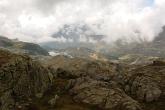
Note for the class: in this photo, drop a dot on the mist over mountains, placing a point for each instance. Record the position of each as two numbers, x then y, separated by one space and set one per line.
74 35
37 20
82 54
116 49
78 33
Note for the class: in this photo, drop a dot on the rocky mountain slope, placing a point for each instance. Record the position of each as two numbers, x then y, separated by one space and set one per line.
21 80
22 47
111 86
64 83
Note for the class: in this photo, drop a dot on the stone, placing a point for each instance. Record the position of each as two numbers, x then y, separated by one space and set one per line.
53 101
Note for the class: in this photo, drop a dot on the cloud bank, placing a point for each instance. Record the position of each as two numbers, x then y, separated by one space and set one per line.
37 20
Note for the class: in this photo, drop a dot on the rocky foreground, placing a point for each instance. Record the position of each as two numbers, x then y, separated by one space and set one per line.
63 83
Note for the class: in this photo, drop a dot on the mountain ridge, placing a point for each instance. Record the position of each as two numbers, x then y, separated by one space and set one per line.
23 47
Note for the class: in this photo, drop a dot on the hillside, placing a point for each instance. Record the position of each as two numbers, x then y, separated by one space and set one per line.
22 47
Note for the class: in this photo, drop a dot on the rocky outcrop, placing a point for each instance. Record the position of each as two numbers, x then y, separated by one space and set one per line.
74 83
144 88
146 83
105 95
20 79
112 86
96 83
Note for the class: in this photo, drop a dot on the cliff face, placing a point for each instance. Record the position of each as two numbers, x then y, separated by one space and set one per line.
20 79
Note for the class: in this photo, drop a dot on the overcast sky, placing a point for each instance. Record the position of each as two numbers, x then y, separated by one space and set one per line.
37 20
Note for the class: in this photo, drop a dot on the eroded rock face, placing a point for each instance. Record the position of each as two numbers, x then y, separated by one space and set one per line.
113 86
20 78
144 88
105 95
147 83
99 84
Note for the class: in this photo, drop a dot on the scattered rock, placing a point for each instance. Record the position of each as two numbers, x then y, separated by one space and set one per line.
39 95
53 101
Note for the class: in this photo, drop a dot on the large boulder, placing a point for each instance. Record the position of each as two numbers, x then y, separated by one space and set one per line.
146 83
104 95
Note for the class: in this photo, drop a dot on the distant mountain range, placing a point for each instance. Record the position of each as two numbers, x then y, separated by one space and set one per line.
120 48
75 35
160 37
155 48
115 50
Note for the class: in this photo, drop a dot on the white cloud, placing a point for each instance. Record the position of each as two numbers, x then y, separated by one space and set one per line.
36 20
